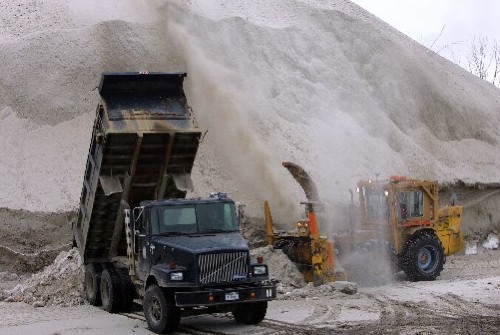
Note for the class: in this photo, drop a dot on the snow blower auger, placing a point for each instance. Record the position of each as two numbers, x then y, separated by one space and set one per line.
312 252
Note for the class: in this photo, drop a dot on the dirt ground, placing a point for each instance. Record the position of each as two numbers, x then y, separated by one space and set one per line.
464 300
41 290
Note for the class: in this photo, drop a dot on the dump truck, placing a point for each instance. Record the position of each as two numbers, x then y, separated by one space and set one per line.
404 215
138 235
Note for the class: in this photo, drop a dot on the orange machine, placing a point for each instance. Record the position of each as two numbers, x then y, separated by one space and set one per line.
306 247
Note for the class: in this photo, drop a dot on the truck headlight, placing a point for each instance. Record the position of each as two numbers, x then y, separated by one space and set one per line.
260 270
176 276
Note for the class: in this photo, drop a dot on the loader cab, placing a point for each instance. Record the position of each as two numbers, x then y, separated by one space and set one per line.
409 205
374 203
393 200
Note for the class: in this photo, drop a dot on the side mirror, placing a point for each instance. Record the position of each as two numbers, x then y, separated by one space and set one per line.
240 210
453 199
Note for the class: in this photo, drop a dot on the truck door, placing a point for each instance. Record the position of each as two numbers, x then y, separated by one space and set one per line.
143 242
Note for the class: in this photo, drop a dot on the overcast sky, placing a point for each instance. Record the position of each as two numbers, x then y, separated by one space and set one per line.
423 20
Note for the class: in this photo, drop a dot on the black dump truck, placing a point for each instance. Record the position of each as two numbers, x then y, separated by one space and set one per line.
138 236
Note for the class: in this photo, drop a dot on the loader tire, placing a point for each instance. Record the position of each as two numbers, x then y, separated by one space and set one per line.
161 314
250 313
93 283
110 290
423 257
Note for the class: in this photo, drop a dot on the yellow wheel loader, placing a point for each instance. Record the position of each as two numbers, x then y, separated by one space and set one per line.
400 215
405 215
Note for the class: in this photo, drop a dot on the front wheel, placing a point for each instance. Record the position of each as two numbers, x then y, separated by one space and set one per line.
423 257
250 313
161 314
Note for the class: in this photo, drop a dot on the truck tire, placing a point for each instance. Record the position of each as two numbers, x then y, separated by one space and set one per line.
250 313
127 289
160 312
93 283
423 257
110 290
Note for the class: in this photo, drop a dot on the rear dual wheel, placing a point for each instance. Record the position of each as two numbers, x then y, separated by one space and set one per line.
117 290
93 283
110 290
109 286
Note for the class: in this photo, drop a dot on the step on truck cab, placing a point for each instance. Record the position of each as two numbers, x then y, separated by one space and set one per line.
137 234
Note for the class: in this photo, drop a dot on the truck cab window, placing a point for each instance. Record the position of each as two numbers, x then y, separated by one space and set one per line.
220 216
173 219
194 218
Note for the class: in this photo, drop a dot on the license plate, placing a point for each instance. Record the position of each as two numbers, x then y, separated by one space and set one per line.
232 296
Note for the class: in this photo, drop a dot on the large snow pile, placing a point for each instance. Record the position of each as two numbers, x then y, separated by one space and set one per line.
322 84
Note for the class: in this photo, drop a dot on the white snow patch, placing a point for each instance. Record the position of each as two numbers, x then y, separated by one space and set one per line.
471 247
492 242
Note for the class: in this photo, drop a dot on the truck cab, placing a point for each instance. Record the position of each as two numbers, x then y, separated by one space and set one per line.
191 252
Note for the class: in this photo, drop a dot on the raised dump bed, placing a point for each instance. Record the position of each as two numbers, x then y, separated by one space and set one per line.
143 147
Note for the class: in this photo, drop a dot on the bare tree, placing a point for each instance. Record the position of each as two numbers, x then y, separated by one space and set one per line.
444 47
496 64
478 60
484 61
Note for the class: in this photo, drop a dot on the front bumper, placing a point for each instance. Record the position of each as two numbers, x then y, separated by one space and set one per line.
225 296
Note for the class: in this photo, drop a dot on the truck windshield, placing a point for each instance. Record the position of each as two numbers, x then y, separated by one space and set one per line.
193 218
377 208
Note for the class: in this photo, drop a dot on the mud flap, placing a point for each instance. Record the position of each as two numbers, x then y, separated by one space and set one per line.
183 181
110 185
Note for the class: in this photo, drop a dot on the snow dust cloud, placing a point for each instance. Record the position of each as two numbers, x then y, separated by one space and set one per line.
325 85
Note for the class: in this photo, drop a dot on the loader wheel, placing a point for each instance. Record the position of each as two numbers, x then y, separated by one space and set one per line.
160 312
250 313
93 283
110 290
423 257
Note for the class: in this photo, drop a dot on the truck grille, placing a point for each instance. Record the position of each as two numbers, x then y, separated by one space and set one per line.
223 267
